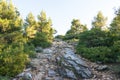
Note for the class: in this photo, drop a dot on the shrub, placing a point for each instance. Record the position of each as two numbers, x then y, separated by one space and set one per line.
59 37
102 54
41 40
12 60
97 45
116 50
71 36
94 38
29 49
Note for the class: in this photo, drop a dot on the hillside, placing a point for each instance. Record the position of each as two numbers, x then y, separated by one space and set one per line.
47 67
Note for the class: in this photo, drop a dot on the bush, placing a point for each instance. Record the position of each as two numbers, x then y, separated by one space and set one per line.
41 40
102 54
71 36
60 37
116 50
94 38
98 45
12 60
29 49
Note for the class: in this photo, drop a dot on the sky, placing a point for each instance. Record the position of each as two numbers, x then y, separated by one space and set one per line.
62 12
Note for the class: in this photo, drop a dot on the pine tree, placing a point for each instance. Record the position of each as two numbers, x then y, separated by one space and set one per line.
76 29
99 21
10 22
114 33
115 25
44 35
30 26
12 55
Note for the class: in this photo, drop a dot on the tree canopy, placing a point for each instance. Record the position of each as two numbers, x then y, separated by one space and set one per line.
76 29
99 21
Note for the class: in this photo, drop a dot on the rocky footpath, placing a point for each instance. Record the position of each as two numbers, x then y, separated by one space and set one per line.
59 62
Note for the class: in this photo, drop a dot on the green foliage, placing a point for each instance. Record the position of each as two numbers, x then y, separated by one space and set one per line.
44 35
71 36
99 21
41 40
96 46
76 29
30 26
18 43
116 50
39 33
60 37
14 54
94 38
9 18
29 49
101 53
12 60
115 25
100 45
44 26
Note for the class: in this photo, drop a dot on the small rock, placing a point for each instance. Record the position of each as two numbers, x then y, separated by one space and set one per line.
102 68
27 76
47 51
51 73
70 74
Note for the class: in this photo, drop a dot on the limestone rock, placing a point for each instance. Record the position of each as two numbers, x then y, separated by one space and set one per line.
73 65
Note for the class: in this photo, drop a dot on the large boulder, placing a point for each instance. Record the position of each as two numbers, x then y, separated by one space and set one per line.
72 66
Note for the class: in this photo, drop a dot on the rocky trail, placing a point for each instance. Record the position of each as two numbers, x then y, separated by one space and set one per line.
59 62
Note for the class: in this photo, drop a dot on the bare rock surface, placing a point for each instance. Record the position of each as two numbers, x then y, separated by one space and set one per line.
59 62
